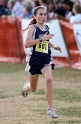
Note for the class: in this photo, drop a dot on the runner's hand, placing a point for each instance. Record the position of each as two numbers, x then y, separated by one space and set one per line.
58 48
47 36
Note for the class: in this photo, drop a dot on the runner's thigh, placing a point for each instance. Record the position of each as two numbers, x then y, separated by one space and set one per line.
47 72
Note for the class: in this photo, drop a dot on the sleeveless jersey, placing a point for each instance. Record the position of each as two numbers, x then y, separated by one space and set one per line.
41 53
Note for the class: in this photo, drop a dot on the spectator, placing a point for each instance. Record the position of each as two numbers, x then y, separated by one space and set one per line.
36 3
50 9
59 10
64 9
57 5
50 6
3 8
77 11
79 1
18 9
10 5
31 1
28 10
67 5
43 3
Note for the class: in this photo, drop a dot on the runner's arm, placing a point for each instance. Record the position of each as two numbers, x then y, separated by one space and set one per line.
29 42
55 47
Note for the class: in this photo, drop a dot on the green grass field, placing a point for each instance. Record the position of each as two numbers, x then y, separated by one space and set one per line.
14 109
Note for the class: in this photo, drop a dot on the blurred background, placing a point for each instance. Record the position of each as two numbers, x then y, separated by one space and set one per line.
64 20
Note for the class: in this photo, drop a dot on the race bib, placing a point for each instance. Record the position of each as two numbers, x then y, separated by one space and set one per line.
42 47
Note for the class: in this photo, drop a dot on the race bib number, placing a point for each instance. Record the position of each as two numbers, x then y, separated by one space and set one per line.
42 47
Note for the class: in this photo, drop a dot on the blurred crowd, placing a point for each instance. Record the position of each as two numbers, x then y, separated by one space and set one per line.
61 9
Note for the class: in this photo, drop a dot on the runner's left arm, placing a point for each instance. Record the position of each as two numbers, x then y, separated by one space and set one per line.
55 47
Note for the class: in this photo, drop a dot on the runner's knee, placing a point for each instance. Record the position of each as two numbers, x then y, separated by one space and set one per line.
48 79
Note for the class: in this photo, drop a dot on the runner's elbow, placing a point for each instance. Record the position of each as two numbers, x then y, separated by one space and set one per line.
26 46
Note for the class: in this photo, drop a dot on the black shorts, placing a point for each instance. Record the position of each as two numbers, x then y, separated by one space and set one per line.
37 63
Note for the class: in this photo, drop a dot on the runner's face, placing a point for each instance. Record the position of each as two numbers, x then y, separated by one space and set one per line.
41 16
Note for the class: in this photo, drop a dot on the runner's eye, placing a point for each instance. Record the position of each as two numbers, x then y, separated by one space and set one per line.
45 14
41 14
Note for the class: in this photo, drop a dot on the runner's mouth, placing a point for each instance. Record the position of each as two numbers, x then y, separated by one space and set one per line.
43 20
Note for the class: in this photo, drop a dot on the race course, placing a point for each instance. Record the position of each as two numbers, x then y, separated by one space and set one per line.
15 109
